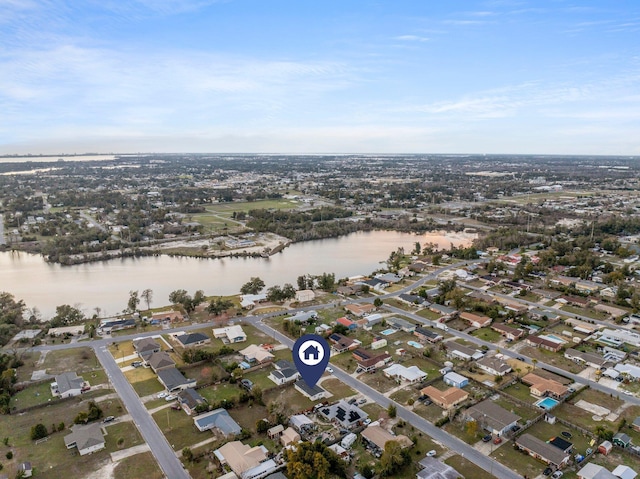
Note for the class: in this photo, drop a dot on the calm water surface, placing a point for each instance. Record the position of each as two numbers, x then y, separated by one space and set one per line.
107 284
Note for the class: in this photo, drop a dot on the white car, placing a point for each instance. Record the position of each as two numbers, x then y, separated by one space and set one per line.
431 453
557 475
170 397
329 369
161 395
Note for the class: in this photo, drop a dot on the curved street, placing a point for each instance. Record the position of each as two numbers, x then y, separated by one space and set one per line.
171 465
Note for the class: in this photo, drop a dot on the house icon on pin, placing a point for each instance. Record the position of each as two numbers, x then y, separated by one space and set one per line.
311 353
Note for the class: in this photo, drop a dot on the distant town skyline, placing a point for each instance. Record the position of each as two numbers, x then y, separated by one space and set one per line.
494 76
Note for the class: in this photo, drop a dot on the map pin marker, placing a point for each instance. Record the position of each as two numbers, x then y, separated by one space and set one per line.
311 355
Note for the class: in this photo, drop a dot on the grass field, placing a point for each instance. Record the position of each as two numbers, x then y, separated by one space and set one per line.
140 465
487 334
337 388
466 468
227 209
78 359
215 394
52 456
520 391
179 428
123 435
518 461
32 395
147 387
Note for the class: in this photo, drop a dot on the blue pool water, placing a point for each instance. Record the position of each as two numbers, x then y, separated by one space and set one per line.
547 403
388 332
415 345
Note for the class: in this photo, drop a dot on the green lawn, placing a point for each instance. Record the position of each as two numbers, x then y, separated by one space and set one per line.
337 388
140 465
226 209
147 387
518 461
77 359
260 378
425 313
220 392
520 391
179 428
32 395
545 431
487 334
590 313
122 435
466 468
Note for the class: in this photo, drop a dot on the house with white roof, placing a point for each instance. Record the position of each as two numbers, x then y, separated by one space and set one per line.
230 334
400 373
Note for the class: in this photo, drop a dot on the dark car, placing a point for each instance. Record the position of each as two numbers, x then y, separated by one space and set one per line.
515 428
352 401
487 438
247 384
547 471
520 358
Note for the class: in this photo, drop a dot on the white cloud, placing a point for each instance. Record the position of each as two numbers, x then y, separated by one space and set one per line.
411 38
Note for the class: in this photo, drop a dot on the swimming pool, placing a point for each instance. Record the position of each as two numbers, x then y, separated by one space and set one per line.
388 332
547 403
415 345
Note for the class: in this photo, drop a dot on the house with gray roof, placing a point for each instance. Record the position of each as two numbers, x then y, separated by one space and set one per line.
345 414
161 360
313 393
67 385
190 340
543 451
145 347
492 417
284 372
87 438
218 419
401 324
173 380
190 399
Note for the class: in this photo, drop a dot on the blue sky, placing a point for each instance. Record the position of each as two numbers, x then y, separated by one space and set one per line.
320 77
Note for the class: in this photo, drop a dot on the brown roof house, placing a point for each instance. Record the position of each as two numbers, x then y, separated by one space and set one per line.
445 399
541 387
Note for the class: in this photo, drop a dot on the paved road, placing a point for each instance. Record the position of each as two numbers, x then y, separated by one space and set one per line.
507 352
171 464
92 221
161 449
2 241
525 302
452 442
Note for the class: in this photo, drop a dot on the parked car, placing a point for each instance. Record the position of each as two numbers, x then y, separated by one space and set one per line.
136 364
520 358
170 397
176 406
487 438
352 401
431 453
108 419
329 369
85 389
547 471
247 384
162 394
557 475
362 401
515 428
497 440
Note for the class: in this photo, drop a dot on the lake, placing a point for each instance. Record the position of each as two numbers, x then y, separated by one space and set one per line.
107 284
